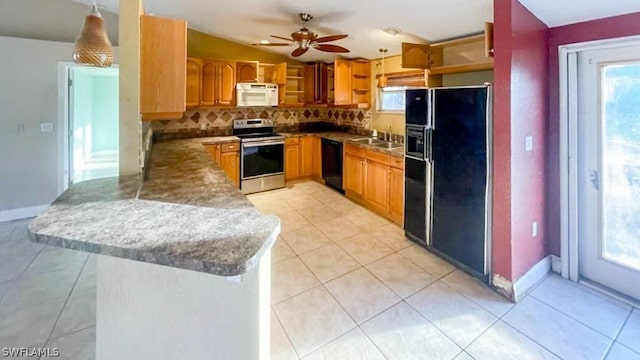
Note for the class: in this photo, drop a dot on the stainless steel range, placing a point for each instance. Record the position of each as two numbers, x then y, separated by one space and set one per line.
261 155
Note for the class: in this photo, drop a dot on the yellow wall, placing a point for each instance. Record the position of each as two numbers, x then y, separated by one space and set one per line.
207 46
380 121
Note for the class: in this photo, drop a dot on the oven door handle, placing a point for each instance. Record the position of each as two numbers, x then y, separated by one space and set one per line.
262 143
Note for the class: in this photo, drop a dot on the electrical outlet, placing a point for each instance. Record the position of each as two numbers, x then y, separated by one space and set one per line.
203 126
534 229
46 127
528 143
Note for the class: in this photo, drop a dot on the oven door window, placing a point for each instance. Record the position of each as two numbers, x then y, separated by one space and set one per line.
260 160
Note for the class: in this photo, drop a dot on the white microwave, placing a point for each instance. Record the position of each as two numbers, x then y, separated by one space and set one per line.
256 94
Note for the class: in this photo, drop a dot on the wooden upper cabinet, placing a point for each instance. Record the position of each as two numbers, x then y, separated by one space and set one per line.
310 84
488 39
415 56
163 67
361 82
226 83
209 83
342 82
280 74
247 71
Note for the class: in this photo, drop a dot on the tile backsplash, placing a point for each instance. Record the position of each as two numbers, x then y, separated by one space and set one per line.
215 121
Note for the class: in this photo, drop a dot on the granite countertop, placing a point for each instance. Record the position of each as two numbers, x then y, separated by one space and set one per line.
345 137
186 213
219 140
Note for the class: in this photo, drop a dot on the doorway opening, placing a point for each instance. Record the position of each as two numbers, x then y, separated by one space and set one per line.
92 123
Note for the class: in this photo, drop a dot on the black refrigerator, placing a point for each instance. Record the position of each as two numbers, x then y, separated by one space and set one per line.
450 169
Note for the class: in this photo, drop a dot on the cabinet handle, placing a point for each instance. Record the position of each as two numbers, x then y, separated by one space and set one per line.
231 147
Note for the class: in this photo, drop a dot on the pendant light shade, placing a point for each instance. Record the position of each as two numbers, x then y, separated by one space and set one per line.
382 80
93 46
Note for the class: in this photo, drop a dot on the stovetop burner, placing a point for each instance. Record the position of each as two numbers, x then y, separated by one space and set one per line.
255 130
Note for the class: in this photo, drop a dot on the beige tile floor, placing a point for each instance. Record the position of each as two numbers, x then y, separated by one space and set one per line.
346 284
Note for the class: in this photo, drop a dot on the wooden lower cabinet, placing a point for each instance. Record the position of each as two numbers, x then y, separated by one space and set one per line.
376 190
228 158
291 159
353 175
316 162
396 195
306 156
376 181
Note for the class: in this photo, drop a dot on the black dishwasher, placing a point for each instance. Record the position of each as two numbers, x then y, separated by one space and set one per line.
332 163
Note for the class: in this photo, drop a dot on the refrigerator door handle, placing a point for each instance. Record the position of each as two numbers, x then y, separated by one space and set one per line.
432 109
428 154
414 158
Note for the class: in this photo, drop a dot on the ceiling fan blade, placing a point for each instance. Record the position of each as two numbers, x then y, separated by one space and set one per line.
281 38
331 48
330 38
273 44
299 51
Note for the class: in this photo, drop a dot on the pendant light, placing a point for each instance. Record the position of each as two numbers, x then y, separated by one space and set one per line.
382 80
93 46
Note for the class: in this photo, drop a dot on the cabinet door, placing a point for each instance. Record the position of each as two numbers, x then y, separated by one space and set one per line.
163 65
342 79
247 71
226 83
194 81
317 158
214 150
376 189
310 83
209 83
230 163
353 174
291 162
280 74
396 195
415 56
306 156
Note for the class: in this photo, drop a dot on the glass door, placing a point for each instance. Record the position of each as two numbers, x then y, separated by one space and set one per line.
609 168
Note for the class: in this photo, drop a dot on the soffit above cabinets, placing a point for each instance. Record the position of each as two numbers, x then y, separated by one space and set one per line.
563 12
249 21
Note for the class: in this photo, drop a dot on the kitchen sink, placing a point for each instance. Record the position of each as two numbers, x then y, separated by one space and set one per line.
368 141
389 145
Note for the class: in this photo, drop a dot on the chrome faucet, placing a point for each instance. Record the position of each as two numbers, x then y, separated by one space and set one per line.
387 136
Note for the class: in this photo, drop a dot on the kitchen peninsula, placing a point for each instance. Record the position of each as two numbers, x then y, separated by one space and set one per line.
186 271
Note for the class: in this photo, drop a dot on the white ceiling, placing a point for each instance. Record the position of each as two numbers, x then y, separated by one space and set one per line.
562 12
249 21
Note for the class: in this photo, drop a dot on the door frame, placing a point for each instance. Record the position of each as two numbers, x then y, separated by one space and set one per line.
568 63
64 120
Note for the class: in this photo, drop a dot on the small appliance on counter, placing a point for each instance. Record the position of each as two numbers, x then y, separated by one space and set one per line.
261 155
447 173
256 94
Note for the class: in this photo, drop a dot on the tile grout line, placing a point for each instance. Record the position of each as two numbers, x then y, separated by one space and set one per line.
66 301
578 320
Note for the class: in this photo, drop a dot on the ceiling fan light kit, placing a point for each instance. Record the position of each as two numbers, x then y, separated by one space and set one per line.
305 39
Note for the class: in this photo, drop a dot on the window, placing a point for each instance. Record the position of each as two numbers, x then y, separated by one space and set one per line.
391 98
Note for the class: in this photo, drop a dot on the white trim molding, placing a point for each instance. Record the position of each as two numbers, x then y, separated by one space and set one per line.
568 63
516 291
22 213
556 264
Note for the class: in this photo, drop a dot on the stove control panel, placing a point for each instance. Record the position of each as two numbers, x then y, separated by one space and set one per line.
252 123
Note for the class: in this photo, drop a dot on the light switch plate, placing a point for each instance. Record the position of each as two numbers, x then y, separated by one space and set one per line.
46 127
528 143
534 229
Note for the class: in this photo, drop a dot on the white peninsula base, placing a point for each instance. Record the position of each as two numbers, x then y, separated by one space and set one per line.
148 311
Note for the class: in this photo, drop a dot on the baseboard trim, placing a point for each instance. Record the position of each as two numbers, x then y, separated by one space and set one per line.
556 264
516 291
22 213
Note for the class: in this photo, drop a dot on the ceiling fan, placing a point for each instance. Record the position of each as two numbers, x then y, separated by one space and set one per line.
305 39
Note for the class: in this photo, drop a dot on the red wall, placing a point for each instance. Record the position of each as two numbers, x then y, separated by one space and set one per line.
613 27
520 109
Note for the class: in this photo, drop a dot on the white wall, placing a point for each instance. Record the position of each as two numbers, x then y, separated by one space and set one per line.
29 96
